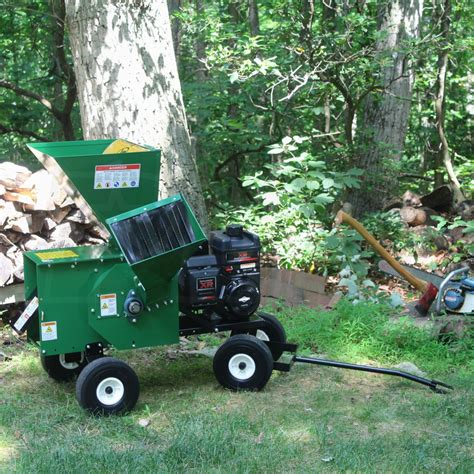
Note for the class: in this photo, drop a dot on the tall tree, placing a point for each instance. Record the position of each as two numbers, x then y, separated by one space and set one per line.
444 12
128 85
384 121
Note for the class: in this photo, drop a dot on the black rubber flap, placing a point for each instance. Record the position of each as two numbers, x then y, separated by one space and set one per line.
154 232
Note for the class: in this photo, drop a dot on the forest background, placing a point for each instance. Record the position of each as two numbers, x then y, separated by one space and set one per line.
294 107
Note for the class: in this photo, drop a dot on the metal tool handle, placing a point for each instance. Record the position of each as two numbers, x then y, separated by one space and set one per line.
445 283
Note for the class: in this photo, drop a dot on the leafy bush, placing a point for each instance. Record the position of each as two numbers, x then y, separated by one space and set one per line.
291 212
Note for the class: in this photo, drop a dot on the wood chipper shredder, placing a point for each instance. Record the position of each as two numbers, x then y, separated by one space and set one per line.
157 278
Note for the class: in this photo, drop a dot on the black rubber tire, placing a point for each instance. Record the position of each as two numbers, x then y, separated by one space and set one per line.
95 373
274 331
56 370
251 347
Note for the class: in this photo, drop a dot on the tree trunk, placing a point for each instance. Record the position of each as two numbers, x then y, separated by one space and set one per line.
200 46
384 121
173 7
445 156
129 86
254 23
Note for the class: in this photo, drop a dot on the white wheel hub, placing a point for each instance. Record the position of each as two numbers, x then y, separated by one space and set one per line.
69 365
110 391
262 335
242 366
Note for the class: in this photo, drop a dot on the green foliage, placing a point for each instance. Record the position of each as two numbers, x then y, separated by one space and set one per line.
290 213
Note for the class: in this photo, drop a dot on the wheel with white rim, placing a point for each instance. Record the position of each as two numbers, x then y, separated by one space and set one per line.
243 362
273 331
64 367
107 386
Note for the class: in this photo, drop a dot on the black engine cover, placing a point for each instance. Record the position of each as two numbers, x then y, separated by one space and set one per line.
227 281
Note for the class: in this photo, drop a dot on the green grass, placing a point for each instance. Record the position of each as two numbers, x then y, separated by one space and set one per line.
313 419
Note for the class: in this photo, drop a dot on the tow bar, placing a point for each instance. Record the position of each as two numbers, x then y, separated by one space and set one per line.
292 348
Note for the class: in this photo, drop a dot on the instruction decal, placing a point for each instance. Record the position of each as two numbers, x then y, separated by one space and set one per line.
20 323
49 331
117 176
108 305
51 255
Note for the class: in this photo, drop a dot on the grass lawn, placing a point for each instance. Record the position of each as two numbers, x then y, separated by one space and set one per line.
313 419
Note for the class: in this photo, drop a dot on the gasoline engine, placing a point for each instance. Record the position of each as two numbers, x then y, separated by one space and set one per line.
226 281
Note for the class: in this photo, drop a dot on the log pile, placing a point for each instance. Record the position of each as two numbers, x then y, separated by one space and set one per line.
36 214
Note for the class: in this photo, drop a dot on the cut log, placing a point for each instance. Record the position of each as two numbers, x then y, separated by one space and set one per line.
37 222
12 175
16 257
21 224
466 210
68 202
60 214
419 216
49 224
77 216
4 240
440 199
43 187
62 243
21 195
99 232
35 242
59 196
6 270
67 230
410 199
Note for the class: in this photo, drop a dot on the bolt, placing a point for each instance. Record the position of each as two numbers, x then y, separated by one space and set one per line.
118 315
133 345
165 302
43 351
96 270
134 320
171 301
133 293
92 310
157 305
88 346
100 345
122 292
72 266
99 317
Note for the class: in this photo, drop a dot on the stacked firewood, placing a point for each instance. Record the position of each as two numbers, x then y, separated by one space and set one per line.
35 214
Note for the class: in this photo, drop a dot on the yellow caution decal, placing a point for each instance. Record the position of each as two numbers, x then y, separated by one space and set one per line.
54 254
123 146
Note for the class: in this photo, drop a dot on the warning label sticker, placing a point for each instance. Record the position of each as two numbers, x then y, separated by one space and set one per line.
20 323
56 254
49 331
117 176
108 305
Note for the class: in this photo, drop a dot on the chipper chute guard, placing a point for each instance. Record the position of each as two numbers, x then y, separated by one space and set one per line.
157 278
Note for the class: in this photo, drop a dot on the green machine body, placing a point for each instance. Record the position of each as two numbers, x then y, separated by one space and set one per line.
124 293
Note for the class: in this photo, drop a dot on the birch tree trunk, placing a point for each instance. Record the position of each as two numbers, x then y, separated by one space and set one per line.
129 87
383 124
